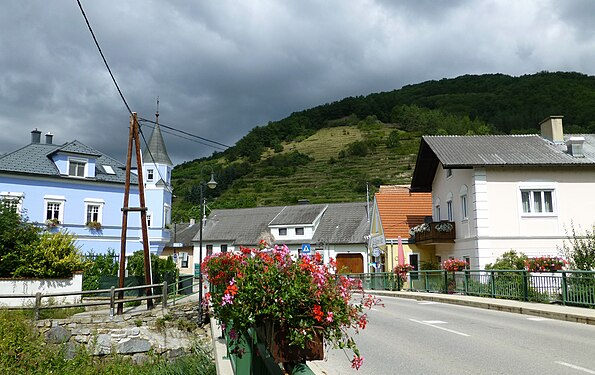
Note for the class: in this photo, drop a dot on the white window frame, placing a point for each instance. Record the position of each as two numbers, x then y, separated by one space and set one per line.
437 210
531 189
449 208
149 219
166 214
282 232
85 164
464 204
150 174
14 197
54 199
93 202
299 229
448 172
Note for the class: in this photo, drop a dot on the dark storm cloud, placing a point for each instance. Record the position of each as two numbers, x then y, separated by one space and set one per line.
221 68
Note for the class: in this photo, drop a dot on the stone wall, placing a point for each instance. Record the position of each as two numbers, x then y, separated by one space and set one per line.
137 333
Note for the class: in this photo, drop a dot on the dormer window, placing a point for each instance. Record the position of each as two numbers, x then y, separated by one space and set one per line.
282 231
76 167
150 175
299 231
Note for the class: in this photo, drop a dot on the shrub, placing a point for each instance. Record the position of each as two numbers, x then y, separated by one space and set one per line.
510 260
579 250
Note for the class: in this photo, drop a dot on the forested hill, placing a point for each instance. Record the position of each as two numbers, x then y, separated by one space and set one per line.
335 148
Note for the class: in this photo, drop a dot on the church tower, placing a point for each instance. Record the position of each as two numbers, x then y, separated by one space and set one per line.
157 167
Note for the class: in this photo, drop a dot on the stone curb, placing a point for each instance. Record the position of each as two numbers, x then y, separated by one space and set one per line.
557 312
222 362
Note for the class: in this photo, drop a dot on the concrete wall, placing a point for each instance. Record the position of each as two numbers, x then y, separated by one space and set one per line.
45 286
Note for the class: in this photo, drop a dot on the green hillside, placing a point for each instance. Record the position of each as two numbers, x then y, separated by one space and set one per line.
330 152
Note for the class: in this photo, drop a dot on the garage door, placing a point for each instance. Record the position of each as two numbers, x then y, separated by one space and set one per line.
350 263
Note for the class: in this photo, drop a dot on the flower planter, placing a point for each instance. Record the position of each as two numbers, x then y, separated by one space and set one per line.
277 342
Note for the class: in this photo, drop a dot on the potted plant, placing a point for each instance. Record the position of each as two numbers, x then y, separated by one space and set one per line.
52 223
93 225
401 271
544 264
295 305
454 265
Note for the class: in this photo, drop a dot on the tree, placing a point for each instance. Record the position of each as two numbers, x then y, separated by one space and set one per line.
579 250
161 269
510 260
16 236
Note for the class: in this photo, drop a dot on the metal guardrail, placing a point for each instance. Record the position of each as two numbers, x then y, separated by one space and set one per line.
574 288
112 301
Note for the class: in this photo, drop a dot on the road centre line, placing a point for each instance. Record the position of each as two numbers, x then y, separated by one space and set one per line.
575 367
442 328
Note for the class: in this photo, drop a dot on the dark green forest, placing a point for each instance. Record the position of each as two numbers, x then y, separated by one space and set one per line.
329 153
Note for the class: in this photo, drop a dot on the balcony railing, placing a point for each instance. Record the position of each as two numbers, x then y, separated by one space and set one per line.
439 232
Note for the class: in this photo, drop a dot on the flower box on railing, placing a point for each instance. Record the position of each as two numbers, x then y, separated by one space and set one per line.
276 340
434 232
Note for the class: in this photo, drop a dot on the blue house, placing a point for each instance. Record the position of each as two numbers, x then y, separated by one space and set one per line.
76 188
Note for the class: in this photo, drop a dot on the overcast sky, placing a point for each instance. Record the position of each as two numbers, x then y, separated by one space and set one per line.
221 68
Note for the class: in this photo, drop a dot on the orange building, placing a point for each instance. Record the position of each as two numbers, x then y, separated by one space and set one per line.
396 210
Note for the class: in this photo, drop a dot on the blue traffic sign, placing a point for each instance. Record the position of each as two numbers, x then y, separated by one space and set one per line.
305 248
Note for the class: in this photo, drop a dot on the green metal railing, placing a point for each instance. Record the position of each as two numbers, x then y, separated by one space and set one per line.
574 288
256 359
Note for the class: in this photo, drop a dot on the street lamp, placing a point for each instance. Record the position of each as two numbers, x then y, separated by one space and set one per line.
211 185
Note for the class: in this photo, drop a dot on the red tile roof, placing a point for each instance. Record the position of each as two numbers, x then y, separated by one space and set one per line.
400 209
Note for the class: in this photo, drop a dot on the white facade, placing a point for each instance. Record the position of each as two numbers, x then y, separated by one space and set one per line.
497 220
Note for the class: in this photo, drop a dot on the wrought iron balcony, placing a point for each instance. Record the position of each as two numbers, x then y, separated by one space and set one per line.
435 232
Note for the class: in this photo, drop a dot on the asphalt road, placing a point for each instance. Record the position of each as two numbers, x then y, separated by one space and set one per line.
418 337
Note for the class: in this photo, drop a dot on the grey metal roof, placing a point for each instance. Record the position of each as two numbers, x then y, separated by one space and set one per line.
341 223
183 233
494 150
156 150
35 159
485 150
241 226
301 214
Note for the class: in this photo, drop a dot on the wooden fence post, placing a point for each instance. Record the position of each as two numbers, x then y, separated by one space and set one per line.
112 299
37 304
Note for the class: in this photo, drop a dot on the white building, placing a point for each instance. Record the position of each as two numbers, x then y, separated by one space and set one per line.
503 192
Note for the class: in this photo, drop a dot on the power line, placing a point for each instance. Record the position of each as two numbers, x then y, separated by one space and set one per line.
103 57
185 137
184 132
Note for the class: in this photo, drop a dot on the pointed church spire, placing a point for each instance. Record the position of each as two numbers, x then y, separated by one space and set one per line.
158 152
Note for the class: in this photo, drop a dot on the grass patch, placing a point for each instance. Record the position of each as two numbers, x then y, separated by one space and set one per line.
24 351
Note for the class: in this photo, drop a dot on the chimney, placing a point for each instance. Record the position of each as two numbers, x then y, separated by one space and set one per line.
35 136
574 146
48 138
551 129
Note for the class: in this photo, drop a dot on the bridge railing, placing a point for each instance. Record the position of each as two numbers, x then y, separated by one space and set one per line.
576 288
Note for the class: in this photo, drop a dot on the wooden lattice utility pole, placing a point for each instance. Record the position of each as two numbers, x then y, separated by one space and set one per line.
134 139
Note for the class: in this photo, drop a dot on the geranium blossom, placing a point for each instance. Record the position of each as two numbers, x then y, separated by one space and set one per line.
303 296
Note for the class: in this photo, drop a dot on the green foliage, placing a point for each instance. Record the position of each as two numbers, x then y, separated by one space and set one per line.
510 260
26 251
54 255
16 236
394 139
430 265
99 266
579 250
161 269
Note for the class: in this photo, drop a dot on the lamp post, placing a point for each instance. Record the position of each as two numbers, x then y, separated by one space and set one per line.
211 185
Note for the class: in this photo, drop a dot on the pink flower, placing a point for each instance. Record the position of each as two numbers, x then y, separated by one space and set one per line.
357 362
329 316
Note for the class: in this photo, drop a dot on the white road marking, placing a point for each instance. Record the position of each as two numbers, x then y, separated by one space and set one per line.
434 322
537 319
428 303
575 367
442 328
